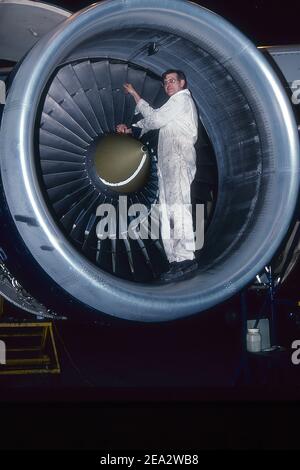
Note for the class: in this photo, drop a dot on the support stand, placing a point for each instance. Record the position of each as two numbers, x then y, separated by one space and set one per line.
271 285
270 304
242 376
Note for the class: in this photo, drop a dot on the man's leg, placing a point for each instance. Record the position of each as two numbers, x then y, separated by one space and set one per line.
166 230
181 248
184 237
166 196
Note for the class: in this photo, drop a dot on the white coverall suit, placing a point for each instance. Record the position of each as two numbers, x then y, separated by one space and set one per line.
177 120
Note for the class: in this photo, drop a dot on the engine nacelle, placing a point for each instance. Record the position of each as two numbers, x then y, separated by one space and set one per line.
67 94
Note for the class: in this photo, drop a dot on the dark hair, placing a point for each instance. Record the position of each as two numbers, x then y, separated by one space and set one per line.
179 73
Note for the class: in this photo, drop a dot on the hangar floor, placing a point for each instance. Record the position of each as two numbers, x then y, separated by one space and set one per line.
186 358
182 385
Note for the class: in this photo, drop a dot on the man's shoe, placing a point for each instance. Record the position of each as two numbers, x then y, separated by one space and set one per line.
172 268
171 275
179 270
188 266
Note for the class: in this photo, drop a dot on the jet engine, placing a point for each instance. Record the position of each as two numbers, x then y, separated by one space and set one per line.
61 160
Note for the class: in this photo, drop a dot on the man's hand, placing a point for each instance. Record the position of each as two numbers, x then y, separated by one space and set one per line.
129 89
123 129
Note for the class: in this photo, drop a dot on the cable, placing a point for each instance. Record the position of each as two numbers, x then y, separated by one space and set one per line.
73 364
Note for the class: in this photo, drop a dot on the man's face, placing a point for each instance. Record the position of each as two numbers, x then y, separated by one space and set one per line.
172 85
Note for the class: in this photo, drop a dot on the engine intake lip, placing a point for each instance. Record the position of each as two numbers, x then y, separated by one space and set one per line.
272 210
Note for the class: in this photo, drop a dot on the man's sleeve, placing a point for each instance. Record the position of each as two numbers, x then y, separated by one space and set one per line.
136 131
157 118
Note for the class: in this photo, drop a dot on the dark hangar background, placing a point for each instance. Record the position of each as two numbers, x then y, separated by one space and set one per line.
266 23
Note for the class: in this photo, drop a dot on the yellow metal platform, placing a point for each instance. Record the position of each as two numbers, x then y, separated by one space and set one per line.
29 348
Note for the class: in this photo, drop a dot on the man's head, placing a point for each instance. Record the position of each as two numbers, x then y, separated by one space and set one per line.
174 81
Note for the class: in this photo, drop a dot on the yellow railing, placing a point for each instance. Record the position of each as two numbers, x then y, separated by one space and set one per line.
29 349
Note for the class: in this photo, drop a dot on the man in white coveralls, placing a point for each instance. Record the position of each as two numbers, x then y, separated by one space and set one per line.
177 121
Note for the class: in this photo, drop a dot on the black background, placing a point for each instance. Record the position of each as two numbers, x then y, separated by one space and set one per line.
264 21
